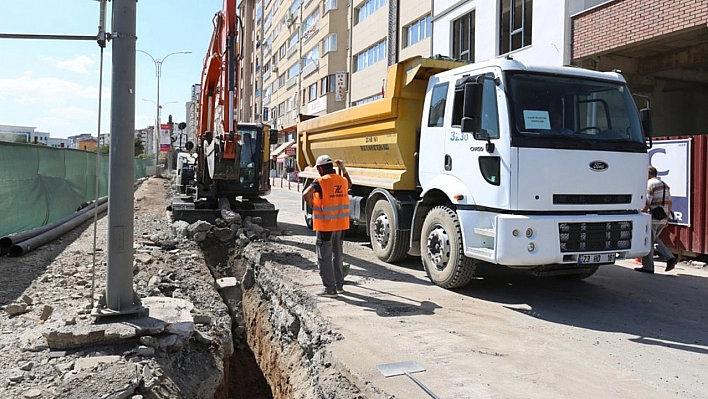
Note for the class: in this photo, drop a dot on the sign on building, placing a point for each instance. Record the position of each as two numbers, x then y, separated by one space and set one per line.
340 86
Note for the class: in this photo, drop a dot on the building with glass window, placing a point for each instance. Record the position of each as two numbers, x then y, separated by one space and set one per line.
302 58
660 49
295 61
383 33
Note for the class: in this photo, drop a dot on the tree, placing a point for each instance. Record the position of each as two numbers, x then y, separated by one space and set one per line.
105 149
139 149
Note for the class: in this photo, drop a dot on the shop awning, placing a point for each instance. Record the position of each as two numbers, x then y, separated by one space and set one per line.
281 148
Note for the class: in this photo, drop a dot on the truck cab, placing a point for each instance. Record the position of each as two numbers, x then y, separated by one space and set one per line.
543 168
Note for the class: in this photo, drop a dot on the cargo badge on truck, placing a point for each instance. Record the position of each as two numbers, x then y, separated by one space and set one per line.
598 166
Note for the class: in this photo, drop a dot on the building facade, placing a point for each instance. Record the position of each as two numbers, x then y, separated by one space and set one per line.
23 134
304 58
383 33
660 47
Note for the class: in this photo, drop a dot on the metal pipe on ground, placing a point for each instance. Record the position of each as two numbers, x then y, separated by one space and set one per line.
7 242
23 247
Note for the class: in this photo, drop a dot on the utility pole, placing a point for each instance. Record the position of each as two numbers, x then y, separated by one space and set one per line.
120 298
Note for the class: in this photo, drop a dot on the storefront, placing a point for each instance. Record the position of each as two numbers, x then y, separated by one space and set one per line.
283 158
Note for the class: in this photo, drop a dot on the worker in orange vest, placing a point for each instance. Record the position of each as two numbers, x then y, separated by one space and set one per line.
328 196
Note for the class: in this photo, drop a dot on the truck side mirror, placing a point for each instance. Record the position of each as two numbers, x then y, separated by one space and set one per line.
646 117
273 138
472 108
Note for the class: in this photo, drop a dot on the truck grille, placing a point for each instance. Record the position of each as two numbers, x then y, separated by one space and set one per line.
591 199
589 237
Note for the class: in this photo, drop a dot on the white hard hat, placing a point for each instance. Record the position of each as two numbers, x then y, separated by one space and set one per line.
323 160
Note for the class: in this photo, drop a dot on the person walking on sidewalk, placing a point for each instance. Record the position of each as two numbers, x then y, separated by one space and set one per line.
658 200
328 196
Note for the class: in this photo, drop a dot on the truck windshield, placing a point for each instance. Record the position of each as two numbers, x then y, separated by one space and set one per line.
551 111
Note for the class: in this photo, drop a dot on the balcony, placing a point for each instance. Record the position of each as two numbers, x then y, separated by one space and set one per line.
290 82
309 68
291 50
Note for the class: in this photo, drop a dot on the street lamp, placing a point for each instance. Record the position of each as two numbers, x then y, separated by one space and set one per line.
158 73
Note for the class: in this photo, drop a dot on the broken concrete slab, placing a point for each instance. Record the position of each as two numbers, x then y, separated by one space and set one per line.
171 315
226 282
89 363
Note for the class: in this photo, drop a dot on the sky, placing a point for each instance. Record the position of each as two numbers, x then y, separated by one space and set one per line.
53 84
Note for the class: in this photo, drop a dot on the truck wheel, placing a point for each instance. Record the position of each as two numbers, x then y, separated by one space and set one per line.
389 243
308 216
441 249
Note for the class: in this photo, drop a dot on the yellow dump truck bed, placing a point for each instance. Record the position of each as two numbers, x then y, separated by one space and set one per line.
376 140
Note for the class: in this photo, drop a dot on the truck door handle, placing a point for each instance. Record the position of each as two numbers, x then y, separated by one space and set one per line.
448 162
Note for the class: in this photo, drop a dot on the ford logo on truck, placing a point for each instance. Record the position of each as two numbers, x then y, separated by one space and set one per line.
598 166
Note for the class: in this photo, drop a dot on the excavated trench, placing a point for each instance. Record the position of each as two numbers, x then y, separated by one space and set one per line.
280 339
243 378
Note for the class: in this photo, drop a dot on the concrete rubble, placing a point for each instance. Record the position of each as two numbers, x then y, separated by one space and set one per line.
208 296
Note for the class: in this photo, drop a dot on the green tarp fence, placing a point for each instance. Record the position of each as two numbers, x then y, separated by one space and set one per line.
40 185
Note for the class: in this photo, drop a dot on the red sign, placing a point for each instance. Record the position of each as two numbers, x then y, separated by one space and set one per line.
290 150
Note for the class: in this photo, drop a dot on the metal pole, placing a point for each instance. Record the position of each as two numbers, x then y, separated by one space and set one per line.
120 297
158 69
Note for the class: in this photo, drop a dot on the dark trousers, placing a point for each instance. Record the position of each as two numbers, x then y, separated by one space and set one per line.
330 259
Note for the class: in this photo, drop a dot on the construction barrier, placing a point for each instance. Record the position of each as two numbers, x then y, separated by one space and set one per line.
40 184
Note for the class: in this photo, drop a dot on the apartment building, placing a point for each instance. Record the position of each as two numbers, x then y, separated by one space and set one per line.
192 117
301 59
383 33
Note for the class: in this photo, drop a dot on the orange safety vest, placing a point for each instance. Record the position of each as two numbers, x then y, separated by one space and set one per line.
330 211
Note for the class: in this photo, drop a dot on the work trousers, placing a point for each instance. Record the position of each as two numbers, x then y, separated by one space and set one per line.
330 258
648 260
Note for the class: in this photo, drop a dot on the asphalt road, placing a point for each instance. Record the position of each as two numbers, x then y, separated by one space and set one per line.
617 334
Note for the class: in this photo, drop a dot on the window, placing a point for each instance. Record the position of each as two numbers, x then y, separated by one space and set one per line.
329 43
265 113
515 25
490 114
281 108
294 70
312 56
436 116
323 85
313 91
368 99
463 37
329 5
368 8
417 31
328 84
281 80
274 112
295 6
310 20
293 40
282 53
371 55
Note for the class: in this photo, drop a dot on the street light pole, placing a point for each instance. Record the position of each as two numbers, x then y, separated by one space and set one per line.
158 73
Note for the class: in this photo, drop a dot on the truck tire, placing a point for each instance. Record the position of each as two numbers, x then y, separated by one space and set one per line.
441 249
308 217
389 243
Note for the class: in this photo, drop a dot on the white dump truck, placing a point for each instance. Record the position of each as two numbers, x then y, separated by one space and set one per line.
538 168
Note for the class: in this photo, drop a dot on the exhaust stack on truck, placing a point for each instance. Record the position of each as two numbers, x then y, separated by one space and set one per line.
531 167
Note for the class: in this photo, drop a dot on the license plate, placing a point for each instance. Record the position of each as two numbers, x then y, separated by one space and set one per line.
592 259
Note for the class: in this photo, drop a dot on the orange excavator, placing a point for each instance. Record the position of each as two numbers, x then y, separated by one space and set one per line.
232 163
